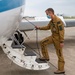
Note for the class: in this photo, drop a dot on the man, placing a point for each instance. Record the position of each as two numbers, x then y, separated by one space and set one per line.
57 38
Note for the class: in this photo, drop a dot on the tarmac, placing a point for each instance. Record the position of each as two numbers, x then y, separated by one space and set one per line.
7 67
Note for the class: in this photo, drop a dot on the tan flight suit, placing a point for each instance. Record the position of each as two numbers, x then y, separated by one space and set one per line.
57 37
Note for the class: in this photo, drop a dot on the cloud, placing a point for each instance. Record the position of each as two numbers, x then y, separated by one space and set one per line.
37 8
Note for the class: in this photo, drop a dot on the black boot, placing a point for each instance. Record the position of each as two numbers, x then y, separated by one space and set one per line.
43 59
59 72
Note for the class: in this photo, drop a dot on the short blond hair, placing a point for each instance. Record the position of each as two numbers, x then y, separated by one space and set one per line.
50 9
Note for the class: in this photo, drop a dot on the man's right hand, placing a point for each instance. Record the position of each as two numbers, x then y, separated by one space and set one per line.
61 44
37 27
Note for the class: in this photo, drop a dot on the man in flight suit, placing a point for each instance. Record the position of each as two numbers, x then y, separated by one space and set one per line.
57 38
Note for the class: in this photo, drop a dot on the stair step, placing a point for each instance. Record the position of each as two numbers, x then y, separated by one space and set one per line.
24 58
39 61
17 46
29 53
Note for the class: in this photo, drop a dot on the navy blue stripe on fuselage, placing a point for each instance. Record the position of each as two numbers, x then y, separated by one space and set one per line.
6 5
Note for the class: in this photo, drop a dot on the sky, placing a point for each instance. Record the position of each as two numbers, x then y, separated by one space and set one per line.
38 7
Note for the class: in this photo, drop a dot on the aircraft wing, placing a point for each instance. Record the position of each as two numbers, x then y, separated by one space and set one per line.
28 26
70 22
25 25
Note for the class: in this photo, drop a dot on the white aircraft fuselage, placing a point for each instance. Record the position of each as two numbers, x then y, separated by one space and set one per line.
11 12
10 17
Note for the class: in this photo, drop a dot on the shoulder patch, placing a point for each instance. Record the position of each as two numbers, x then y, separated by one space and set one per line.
60 28
58 22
